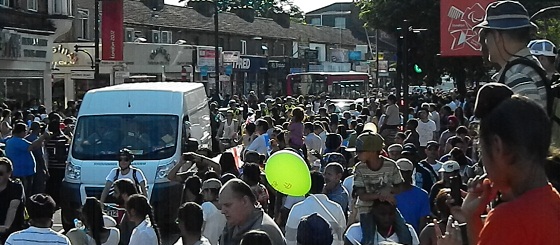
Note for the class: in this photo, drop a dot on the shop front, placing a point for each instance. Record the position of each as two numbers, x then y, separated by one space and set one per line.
73 74
249 73
24 68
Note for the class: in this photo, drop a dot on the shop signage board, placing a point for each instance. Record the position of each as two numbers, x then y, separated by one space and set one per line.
83 74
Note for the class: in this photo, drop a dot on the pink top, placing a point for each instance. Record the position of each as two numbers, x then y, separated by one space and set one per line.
296 133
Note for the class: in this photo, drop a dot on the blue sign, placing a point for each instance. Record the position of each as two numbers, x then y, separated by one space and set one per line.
204 71
296 70
355 55
252 64
229 70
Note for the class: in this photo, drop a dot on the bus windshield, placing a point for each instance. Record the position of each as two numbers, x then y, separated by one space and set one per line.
149 137
308 84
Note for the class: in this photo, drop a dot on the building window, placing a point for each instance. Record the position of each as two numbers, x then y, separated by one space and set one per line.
129 35
60 7
156 36
83 18
316 22
32 5
243 47
166 37
221 43
340 22
5 3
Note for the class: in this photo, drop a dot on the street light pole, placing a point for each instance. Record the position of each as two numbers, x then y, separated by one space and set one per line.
217 50
96 61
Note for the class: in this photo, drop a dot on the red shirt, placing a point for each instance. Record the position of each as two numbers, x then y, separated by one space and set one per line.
533 218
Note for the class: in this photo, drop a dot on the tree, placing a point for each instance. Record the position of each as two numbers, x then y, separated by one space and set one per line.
263 8
388 15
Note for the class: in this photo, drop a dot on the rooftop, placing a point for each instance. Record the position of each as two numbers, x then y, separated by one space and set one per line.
179 17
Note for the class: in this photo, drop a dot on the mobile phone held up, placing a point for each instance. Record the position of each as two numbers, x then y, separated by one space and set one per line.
456 184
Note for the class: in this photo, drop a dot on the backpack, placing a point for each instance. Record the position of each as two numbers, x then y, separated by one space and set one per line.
136 182
552 87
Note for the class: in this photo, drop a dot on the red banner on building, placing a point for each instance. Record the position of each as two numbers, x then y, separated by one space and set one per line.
457 19
112 36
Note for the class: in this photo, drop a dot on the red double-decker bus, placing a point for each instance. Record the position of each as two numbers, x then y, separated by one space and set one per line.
348 85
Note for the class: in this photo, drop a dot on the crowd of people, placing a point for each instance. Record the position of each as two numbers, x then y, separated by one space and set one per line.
460 169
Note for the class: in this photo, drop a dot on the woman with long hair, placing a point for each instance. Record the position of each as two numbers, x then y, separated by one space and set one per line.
95 232
141 213
227 161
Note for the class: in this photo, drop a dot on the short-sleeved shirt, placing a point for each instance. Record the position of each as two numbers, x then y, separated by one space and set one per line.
214 222
13 191
426 131
139 175
414 204
296 133
36 235
17 150
376 182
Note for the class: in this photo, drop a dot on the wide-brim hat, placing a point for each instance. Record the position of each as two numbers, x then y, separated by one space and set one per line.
506 15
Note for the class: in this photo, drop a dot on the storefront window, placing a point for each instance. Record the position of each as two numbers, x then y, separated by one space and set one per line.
18 92
58 94
82 86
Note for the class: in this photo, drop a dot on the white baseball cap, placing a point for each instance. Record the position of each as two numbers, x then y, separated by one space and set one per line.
449 167
542 47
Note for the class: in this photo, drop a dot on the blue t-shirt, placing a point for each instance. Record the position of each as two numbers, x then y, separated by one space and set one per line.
340 196
413 205
17 150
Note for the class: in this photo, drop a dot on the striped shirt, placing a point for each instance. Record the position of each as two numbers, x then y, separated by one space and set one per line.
524 80
36 235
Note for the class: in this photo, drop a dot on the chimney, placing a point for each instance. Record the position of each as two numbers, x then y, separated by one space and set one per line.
282 19
246 13
154 4
203 7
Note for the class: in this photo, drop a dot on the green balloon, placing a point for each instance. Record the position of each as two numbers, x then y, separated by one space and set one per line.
288 173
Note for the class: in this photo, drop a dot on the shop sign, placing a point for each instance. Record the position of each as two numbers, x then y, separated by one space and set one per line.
122 74
276 65
230 56
206 57
251 64
83 75
63 56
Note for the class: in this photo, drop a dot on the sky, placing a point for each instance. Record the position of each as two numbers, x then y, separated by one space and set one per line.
305 5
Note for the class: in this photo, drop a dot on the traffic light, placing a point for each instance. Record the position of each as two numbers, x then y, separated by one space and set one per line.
415 57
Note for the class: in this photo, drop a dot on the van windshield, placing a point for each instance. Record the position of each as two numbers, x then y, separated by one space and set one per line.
149 137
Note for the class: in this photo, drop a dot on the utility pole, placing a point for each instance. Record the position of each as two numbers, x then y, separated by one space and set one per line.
217 50
376 58
406 34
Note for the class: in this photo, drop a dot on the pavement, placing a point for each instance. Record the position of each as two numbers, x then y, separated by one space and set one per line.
167 239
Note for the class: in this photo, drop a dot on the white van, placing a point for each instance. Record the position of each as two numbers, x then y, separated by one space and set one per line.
153 120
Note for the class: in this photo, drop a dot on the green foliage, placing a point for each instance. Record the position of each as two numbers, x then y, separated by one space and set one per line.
388 15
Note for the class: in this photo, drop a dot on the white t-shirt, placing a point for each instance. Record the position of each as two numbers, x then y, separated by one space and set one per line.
113 239
319 203
36 235
354 235
313 142
426 131
143 234
214 222
139 175
434 116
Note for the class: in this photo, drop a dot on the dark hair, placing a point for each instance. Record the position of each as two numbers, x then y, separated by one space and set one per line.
392 97
252 173
6 113
413 122
143 208
8 163
309 126
262 123
93 218
126 186
454 140
342 131
194 185
401 135
227 162
336 166
40 206
527 140
241 189
297 114
317 182
462 130
227 177
256 237
250 127
459 156
190 214
19 128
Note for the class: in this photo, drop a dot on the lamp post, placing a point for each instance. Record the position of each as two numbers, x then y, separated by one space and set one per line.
217 50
